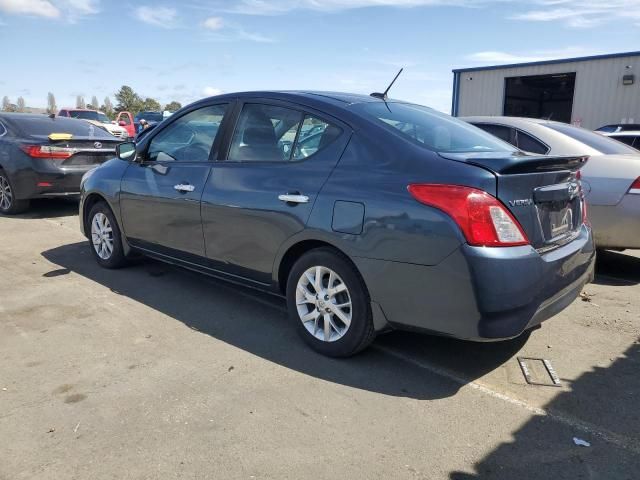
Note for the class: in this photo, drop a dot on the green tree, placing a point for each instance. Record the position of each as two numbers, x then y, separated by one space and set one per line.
6 104
107 108
21 105
52 108
128 100
151 105
173 106
80 103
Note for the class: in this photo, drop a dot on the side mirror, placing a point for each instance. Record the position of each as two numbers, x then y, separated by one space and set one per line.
122 123
126 151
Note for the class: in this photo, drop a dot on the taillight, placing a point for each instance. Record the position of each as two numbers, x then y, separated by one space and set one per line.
483 219
635 187
48 151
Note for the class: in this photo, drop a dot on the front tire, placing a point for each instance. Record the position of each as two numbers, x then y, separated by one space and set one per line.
329 303
9 204
104 237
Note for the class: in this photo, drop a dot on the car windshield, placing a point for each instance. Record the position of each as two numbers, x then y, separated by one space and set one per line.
150 116
89 115
433 130
598 142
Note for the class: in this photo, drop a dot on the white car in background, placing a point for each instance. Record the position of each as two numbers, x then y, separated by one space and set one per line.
97 118
611 177
630 137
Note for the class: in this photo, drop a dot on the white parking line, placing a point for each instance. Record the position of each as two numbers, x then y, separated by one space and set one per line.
630 444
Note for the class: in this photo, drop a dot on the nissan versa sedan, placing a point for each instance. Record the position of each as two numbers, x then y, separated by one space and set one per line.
43 157
395 217
611 179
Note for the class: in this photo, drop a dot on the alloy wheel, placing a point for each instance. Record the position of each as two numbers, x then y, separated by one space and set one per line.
6 195
324 304
102 236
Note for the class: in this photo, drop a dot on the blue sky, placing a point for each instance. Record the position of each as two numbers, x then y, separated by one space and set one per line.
185 50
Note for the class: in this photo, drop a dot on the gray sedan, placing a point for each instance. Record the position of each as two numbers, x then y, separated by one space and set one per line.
611 178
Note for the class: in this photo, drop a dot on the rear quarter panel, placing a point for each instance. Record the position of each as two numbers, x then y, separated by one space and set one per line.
375 171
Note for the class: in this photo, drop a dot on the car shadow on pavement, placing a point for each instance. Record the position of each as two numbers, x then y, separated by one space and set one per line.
616 268
603 411
258 323
50 208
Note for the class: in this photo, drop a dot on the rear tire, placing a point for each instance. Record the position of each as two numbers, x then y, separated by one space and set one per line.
104 237
9 204
328 301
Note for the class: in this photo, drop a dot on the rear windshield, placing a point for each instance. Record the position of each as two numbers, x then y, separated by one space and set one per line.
433 130
45 126
88 115
596 141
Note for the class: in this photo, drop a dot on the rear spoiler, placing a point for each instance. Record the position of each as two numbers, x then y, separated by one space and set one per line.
67 137
518 162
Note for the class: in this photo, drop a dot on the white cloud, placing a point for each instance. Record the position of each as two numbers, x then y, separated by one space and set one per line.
163 17
41 8
211 91
220 31
213 23
497 57
277 7
70 10
579 13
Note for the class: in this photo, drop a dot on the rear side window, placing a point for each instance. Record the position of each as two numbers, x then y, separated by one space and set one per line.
529 144
433 130
189 138
596 141
315 135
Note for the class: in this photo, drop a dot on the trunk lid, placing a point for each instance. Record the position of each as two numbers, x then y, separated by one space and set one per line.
84 150
541 192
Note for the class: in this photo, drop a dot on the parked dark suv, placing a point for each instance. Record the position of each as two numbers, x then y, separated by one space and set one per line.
389 215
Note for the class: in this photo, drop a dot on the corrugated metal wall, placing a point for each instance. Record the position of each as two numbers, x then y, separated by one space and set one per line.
600 97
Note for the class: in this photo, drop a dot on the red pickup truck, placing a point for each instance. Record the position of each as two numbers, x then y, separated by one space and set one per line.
125 120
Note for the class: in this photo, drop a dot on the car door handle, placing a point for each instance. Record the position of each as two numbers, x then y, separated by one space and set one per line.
293 198
184 188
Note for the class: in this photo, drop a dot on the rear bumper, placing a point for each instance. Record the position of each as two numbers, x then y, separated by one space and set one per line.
481 294
33 183
617 226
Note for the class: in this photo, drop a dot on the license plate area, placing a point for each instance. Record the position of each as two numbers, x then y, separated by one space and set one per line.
559 220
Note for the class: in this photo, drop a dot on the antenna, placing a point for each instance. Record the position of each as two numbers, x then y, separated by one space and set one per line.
383 96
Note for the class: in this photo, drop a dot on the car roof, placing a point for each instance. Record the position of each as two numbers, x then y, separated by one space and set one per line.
321 97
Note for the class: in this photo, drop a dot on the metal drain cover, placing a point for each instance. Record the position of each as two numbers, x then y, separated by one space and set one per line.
539 371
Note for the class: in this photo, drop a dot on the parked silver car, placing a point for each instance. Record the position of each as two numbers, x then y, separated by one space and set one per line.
611 178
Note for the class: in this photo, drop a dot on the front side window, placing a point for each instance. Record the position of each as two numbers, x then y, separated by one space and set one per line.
189 138
433 130
500 131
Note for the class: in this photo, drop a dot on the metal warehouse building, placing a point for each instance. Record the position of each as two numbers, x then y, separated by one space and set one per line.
587 91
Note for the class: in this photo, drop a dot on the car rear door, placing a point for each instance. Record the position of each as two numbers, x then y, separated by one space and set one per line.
262 192
161 192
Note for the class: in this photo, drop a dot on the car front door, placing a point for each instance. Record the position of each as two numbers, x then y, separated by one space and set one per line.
263 191
161 192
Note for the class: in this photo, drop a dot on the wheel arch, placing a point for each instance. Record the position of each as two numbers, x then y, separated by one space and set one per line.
89 202
297 250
